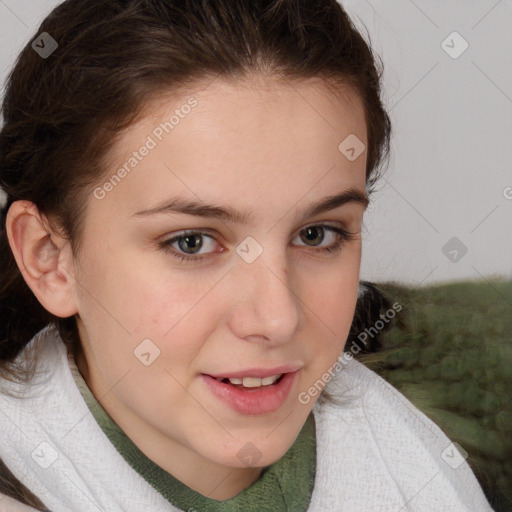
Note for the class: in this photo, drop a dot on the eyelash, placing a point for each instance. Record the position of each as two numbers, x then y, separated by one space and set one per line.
343 237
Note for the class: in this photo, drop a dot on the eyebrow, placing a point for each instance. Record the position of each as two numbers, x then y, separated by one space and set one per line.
227 213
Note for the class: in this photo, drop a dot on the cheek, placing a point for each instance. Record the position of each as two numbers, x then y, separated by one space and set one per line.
141 299
176 312
128 299
332 293
329 305
165 306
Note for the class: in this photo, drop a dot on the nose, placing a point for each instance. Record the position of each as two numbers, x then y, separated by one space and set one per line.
265 307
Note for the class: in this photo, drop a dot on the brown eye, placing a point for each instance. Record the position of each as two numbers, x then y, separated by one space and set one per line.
186 246
313 233
190 244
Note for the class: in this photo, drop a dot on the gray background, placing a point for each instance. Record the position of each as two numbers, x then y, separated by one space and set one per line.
449 173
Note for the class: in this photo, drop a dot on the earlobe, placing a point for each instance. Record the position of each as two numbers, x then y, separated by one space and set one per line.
43 257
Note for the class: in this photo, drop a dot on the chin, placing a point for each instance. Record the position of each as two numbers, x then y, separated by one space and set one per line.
256 453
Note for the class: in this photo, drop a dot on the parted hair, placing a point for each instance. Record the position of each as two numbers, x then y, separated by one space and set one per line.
63 114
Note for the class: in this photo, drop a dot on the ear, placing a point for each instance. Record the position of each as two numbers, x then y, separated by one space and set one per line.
43 257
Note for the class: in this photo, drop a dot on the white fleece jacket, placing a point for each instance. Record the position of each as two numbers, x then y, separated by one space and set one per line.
375 453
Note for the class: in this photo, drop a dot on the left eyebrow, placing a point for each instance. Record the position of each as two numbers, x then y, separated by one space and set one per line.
227 213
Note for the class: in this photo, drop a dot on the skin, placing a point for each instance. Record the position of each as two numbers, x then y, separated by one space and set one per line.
260 146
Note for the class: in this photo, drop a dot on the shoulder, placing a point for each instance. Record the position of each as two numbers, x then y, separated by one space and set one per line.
366 397
389 447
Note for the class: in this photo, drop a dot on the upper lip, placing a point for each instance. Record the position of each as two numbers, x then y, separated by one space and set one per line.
260 373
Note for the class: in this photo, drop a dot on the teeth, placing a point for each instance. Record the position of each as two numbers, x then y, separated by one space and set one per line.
254 382
269 380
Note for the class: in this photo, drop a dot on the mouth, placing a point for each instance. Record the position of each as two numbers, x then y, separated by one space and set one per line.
249 394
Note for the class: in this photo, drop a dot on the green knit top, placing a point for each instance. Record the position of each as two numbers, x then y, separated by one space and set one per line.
286 485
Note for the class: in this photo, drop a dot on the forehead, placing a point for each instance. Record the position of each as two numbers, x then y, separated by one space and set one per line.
256 87
225 105
255 138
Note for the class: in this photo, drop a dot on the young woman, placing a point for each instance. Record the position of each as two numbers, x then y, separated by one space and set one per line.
181 245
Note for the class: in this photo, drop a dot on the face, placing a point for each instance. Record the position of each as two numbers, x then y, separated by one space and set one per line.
173 303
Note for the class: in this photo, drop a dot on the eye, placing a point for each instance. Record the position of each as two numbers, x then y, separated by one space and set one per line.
339 237
189 243
317 233
186 246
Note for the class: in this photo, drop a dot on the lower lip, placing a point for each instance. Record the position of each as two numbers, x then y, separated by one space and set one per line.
254 400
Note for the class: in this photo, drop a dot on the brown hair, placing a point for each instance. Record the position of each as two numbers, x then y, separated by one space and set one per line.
62 114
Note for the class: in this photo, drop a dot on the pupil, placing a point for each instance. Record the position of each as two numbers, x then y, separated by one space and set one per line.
191 242
311 230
